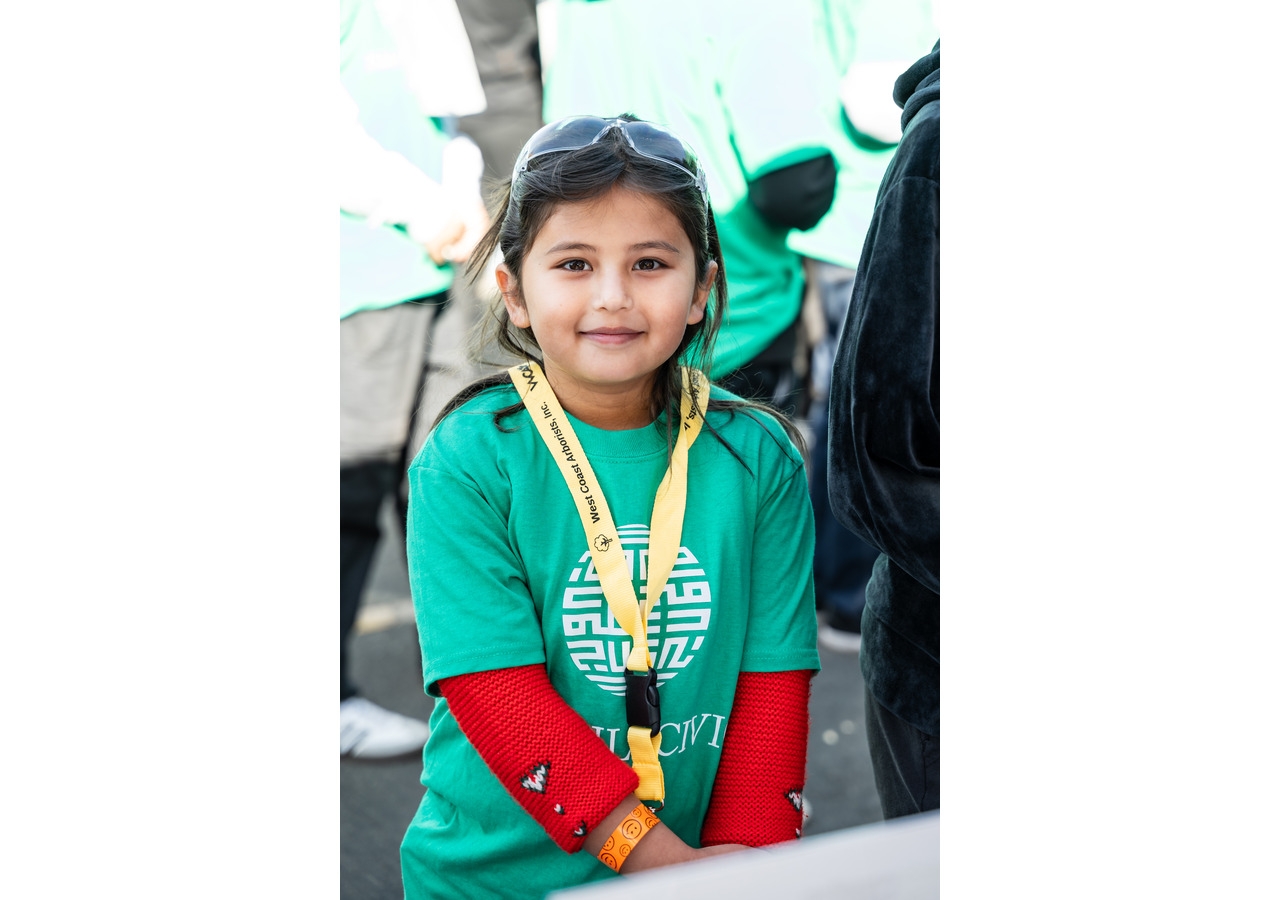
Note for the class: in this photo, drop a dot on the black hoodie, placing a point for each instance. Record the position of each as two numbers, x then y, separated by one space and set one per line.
883 452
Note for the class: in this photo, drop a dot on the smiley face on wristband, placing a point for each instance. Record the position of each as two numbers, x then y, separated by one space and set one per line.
618 846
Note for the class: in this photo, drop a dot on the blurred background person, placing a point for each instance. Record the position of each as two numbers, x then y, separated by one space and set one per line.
884 451
504 42
410 210
863 45
433 50
736 80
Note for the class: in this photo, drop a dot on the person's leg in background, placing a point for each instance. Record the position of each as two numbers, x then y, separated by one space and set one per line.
504 43
383 355
365 486
842 560
905 761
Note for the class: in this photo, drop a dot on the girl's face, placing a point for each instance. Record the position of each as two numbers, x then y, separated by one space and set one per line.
608 287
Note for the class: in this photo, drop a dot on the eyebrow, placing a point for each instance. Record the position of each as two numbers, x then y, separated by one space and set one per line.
643 245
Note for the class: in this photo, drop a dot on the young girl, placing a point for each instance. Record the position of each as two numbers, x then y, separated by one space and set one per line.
597 492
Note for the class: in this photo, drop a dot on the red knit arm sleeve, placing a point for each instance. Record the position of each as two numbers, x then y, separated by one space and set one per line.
757 797
546 756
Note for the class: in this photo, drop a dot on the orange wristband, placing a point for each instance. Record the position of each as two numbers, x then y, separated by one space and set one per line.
625 837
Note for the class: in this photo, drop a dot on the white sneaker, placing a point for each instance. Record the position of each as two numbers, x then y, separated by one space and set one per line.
371 732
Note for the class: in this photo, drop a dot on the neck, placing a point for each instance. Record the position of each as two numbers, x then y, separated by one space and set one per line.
612 409
611 420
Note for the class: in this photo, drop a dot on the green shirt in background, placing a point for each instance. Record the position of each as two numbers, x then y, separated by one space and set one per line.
734 79
382 266
865 31
502 576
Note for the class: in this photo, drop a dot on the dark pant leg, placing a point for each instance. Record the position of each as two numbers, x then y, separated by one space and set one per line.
364 488
905 762
842 561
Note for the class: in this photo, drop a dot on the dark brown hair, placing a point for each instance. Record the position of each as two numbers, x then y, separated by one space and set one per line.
585 174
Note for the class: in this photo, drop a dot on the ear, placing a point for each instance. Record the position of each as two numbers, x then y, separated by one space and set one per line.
700 295
510 290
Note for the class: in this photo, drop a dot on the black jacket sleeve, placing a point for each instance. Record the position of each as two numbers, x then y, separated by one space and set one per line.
883 447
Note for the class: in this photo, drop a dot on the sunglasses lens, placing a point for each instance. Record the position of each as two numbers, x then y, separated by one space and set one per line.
658 143
567 134
645 138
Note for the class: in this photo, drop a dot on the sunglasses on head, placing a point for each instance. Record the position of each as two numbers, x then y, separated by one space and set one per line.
645 138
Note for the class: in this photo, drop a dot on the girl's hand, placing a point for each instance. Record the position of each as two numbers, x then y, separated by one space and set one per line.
721 849
673 854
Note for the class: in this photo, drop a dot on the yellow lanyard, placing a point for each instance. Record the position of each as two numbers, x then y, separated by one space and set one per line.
644 734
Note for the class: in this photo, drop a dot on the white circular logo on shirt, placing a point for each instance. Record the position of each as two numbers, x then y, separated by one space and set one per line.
599 646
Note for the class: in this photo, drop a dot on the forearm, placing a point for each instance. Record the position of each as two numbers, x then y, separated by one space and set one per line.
660 846
381 185
540 750
757 798
560 772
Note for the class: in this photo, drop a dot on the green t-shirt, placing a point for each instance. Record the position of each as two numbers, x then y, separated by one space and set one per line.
863 31
725 76
383 266
502 576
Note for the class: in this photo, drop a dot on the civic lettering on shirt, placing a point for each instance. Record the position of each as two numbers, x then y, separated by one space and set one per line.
678 623
676 736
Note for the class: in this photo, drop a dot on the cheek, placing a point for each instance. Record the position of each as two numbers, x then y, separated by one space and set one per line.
553 309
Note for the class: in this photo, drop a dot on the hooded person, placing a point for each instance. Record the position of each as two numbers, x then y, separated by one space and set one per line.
884 451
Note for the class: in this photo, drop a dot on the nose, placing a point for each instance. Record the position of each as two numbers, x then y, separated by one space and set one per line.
612 292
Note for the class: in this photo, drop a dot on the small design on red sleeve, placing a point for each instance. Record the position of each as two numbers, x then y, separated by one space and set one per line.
796 798
581 830
559 809
536 778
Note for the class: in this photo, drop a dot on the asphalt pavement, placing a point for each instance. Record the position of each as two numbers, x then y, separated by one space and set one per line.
380 798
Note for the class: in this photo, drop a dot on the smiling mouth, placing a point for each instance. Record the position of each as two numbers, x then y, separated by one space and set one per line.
611 335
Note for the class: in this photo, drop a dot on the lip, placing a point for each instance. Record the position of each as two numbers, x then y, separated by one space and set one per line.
611 335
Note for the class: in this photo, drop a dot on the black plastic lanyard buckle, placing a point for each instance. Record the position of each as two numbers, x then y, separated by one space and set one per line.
642 700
